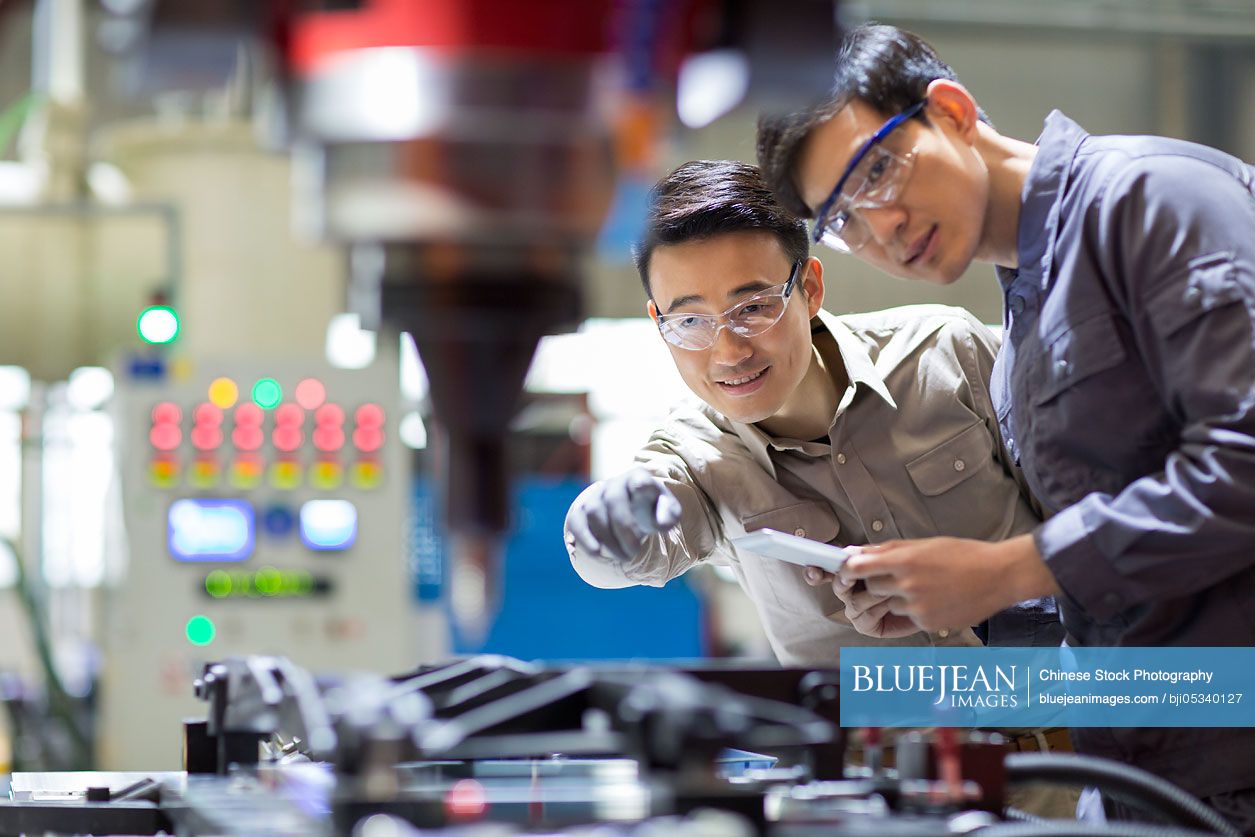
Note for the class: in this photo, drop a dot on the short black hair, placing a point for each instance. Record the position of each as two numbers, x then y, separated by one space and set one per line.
707 198
883 66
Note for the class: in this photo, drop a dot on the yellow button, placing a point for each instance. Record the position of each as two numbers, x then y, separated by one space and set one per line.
181 370
164 473
285 475
366 475
203 473
245 474
326 475
223 393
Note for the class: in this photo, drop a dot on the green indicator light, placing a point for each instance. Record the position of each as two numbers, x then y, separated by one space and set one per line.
218 584
158 325
269 581
267 393
200 630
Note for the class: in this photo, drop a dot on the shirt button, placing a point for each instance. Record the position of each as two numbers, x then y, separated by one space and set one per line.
959 464
801 533
943 633
877 525
841 459
1062 365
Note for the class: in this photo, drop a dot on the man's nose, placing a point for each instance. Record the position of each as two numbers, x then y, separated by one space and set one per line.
885 222
730 348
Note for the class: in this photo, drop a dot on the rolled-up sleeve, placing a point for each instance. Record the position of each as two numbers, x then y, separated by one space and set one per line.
1180 243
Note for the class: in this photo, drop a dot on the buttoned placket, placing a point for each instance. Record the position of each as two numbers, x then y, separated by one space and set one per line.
792 451
861 488
1021 310
1023 301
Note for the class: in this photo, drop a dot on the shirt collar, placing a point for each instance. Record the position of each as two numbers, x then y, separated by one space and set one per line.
1042 199
859 369
858 362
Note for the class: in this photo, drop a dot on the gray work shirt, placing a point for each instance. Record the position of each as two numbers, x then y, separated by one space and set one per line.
912 451
1125 389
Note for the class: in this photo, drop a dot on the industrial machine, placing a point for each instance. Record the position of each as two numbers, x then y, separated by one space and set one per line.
492 746
264 506
459 153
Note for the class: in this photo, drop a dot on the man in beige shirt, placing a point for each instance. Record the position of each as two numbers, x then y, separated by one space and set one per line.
845 430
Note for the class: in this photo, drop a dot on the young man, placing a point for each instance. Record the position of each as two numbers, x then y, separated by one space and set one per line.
1125 387
846 430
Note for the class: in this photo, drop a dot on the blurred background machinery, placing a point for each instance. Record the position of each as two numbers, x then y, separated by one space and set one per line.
464 154
261 514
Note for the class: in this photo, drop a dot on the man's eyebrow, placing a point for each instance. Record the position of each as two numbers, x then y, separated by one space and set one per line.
738 291
748 287
683 300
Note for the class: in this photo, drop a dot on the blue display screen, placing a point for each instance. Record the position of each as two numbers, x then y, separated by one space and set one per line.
211 530
328 525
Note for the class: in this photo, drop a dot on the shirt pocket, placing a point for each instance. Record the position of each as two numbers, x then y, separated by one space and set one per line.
785 581
1212 284
963 491
1092 405
950 463
807 519
1077 354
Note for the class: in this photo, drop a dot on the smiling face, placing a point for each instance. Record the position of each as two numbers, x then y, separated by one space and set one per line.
748 379
934 229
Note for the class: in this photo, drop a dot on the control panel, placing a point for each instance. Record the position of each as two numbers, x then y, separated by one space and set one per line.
265 508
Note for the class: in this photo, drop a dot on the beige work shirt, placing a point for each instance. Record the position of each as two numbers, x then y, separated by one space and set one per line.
913 451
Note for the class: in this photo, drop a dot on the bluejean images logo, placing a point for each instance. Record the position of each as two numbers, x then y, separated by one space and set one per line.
1073 687
955 686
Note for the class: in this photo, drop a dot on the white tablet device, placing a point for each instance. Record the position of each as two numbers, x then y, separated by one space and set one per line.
795 550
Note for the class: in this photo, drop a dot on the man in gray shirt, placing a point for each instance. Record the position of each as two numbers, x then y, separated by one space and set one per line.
1125 387
845 430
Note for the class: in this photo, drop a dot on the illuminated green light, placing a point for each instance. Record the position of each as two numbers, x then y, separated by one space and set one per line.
158 324
218 584
200 630
267 393
269 581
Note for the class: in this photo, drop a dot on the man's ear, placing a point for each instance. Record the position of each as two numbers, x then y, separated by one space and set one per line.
653 310
950 103
813 284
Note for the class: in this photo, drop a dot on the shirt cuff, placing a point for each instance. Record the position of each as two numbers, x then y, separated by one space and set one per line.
1065 544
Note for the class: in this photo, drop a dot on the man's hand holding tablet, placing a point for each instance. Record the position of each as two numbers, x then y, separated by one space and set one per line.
868 612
